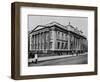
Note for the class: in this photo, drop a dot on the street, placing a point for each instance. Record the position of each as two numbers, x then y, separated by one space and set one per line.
82 59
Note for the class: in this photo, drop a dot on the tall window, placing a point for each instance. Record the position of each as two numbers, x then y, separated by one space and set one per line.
66 45
50 45
63 36
66 37
50 35
62 46
58 45
58 35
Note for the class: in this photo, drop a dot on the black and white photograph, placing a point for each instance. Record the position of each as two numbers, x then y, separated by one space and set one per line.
57 40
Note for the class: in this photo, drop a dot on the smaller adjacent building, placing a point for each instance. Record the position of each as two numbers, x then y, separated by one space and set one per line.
57 39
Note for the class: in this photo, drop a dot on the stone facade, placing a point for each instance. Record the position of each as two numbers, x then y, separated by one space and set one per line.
56 39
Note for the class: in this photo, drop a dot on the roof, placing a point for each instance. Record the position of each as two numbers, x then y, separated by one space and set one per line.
49 25
56 23
69 27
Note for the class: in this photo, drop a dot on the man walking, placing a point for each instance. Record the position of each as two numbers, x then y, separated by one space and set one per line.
36 58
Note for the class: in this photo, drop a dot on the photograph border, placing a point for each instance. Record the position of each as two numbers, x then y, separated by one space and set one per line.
15 39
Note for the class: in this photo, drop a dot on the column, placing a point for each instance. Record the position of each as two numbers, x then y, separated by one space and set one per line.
44 40
38 41
41 40
49 40
35 41
79 43
30 42
46 44
68 40
75 44
54 39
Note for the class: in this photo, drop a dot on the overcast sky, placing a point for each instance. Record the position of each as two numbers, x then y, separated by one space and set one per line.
80 22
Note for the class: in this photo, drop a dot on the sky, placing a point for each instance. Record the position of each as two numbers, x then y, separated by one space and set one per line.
80 22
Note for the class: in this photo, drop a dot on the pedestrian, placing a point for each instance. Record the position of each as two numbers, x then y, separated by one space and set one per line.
36 58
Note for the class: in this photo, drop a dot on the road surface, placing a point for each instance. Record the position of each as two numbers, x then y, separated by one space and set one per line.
82 59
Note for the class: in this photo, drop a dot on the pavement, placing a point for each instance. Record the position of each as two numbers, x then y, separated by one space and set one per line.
57 57
73 60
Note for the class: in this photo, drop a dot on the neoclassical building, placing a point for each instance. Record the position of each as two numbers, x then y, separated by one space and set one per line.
57 39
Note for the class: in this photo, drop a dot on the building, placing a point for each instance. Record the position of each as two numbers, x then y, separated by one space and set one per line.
56 39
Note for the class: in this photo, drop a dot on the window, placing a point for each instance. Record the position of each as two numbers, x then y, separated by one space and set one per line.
50 35
62 46
58 45
50 45
66 37
58 34
66 45
62 36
